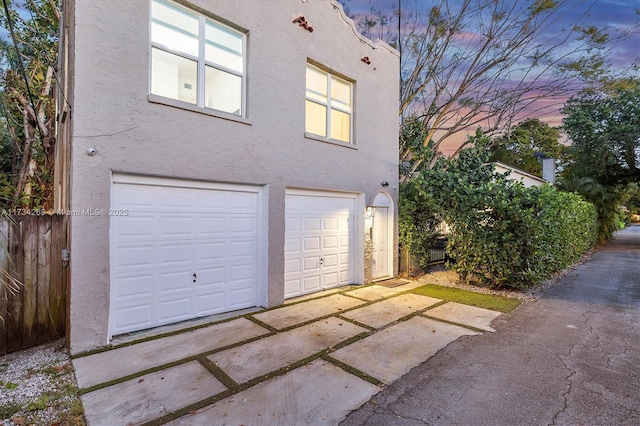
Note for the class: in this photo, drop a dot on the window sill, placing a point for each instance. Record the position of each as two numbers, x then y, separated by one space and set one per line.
189 107
330 141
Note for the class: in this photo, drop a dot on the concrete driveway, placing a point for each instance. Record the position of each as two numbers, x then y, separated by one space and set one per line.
571 357
309 362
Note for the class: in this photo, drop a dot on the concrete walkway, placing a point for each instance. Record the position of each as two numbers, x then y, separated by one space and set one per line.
310 362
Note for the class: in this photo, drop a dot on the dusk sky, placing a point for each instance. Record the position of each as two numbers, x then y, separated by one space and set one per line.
616 16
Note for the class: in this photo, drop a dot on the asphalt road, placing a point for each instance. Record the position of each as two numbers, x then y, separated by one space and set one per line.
571 357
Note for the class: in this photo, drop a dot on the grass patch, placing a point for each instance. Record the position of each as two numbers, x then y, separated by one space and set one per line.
481 300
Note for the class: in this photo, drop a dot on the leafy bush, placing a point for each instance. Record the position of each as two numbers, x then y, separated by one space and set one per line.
419 223
503 234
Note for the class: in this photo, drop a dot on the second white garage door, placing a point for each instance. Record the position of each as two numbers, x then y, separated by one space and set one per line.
319 241
180 250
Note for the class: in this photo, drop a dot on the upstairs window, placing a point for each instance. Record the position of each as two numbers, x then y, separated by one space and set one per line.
329 108
196 60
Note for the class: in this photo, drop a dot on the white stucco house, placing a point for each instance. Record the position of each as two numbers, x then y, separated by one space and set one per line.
220 155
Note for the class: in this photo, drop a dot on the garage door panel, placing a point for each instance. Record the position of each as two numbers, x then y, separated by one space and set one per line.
172 232
293 224
136 286
136 317
312 224
172 310
177 198
345 277
243 202
310 284
241 298
173 226
331 242
331 279
140 226
208 278
312 243
311 263
242 250
137 197
293 245
292 265
139 256
173 281
330 261
239 226
211 303
241 272
175 254
330 224
208 226
211 252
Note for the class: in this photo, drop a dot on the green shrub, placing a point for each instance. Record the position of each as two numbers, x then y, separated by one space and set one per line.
419 223
503 234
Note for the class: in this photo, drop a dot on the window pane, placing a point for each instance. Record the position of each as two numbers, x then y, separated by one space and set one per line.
340 126
316 84
173 27
316 119
223 91
173 76
341 93
223 46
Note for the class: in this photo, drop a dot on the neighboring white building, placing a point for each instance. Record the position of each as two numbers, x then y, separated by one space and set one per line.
527 179
220 155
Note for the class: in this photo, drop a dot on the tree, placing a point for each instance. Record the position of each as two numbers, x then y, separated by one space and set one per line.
487 63
525 144
27 99
604 129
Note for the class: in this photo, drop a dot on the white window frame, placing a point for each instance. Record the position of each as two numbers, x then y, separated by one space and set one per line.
201 64
329 106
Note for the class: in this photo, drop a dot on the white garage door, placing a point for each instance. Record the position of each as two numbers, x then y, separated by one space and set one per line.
319 241
183 250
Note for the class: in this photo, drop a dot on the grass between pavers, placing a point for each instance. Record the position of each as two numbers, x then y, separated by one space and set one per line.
480 300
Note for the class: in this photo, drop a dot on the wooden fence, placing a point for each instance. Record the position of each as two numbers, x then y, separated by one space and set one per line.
31 252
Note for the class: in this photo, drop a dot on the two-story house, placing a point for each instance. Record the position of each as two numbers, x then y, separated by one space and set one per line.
219 155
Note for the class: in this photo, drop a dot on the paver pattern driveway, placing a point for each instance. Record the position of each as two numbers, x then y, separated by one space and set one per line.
308 362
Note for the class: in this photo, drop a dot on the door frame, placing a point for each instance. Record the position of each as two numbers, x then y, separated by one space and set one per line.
384 200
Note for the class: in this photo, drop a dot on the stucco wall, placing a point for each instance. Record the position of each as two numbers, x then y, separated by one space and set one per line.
112 113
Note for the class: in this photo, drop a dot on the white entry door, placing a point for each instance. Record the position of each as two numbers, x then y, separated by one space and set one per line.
380 239
319 241
180 250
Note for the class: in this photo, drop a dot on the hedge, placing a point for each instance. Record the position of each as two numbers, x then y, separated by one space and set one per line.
503 234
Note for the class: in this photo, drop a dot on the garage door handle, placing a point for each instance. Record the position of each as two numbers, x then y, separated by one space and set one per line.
195 277
321 261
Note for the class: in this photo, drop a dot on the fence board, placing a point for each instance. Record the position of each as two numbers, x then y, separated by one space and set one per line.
43 325
14 304
4 291
38 312
30 280
58 283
